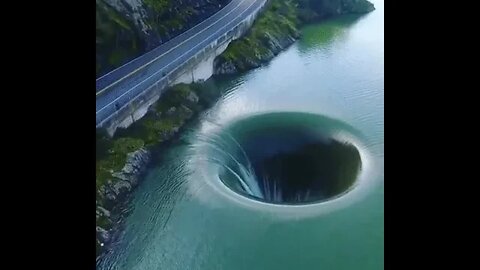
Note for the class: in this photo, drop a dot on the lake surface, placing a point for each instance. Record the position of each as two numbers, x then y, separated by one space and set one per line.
189 214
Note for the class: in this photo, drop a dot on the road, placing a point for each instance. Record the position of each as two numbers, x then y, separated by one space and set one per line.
118 87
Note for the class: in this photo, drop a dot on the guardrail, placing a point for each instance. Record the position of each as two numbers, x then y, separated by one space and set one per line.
161 78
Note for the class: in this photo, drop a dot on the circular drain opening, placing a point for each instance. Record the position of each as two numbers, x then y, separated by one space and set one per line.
287 158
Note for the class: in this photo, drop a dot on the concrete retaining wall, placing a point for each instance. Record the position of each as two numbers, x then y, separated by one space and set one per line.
197 68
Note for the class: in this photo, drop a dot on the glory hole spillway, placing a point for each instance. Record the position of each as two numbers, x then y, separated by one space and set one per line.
285 158
284 171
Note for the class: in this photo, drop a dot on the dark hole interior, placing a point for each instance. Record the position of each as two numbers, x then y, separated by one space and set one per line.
292 164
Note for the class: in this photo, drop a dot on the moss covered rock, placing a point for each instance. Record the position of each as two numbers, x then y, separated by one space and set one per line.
127 29
277 28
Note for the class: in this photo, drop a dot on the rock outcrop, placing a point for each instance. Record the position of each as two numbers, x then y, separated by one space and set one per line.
129 28
277 28
273 45
274 31
162 123
117 189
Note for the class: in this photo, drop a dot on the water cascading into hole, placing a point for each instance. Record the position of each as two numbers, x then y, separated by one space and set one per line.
285 158
241 172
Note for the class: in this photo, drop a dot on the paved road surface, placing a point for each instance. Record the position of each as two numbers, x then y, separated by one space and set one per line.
116 88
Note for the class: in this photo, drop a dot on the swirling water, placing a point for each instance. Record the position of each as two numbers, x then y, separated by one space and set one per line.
183 216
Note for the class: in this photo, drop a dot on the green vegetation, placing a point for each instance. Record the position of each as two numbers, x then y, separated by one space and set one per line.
161 122
164 117
116 39
119 39
319 9
103 222
114 156
278 26
158 5
117 56
280 19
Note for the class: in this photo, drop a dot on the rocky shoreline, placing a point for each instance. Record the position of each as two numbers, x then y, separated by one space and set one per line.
160 126
123 160
126 179
118 188
278 28
275 45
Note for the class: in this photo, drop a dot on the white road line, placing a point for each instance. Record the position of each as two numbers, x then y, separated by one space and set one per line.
182 34
173 61
156 58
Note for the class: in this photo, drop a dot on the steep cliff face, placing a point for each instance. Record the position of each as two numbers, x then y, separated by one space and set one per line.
277 28
126 29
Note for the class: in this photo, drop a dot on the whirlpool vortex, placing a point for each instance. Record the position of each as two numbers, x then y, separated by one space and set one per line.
285 158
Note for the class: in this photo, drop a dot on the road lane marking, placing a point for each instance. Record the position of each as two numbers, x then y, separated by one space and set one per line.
171 62
156 58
